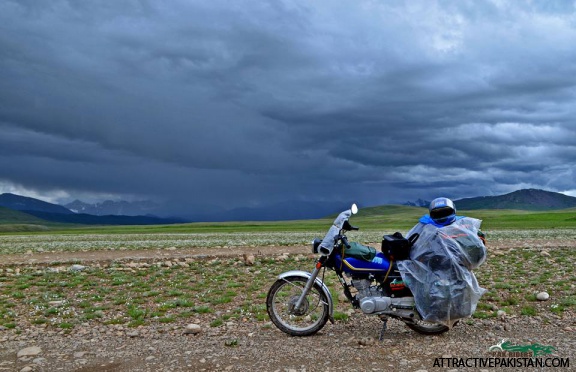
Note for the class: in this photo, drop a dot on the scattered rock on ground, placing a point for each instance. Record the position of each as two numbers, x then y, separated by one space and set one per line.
248 259
192 329
29 351
77 267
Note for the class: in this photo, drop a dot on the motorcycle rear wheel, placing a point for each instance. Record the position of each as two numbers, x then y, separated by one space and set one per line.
427 328
308 319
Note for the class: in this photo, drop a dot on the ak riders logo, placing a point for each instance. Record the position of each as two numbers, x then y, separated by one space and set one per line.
507 349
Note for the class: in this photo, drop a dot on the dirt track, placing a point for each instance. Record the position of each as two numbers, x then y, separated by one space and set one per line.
146 254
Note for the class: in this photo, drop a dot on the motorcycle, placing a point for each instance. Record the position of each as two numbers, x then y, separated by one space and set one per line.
299 303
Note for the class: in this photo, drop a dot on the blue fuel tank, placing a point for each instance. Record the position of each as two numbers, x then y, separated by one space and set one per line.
378 265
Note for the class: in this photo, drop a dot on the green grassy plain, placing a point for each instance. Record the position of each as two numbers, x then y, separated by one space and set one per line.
217 291
385 218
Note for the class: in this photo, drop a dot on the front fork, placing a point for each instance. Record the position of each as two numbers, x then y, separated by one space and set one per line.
312 278
310 282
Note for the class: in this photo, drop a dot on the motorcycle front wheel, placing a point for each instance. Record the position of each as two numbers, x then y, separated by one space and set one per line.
304 321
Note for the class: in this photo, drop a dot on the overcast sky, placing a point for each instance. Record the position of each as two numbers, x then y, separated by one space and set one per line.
246 103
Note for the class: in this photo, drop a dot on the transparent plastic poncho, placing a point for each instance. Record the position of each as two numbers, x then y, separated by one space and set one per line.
439 272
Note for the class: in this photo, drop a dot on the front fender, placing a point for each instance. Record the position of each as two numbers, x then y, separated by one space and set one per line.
306 275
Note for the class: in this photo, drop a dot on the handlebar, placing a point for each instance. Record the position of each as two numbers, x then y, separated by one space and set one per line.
346 226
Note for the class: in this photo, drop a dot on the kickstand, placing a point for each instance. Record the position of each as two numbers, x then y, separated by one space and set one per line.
384 324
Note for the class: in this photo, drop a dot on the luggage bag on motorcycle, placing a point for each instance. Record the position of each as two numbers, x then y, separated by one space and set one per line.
396 247
360 251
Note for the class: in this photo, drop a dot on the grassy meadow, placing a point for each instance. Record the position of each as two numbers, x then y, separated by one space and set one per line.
373 222
382 218
215 291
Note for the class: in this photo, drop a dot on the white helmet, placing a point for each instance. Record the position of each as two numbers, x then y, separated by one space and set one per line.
442 211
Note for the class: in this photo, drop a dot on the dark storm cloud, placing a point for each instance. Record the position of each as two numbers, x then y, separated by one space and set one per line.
247 103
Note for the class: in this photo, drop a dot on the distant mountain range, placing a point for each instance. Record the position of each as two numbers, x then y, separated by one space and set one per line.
526 199
122 212
88 219
109 207
32 210
293 210
56 213
418 203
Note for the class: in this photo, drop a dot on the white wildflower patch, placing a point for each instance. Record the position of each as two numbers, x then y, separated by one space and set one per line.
98 242
556 234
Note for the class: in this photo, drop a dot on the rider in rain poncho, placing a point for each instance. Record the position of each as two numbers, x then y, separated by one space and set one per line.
439 270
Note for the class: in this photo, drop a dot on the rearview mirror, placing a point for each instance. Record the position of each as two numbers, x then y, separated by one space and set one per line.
354 208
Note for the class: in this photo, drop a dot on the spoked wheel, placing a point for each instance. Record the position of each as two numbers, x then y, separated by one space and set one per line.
427 328
308 319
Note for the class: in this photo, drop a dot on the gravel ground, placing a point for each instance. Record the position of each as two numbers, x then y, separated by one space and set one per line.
344 346
240 346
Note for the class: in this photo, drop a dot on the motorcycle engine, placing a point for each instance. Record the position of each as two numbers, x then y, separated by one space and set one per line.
371 299
364 288
371 305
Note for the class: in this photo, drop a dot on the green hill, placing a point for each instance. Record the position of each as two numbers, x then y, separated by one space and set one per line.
15 221
9 216
527 199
